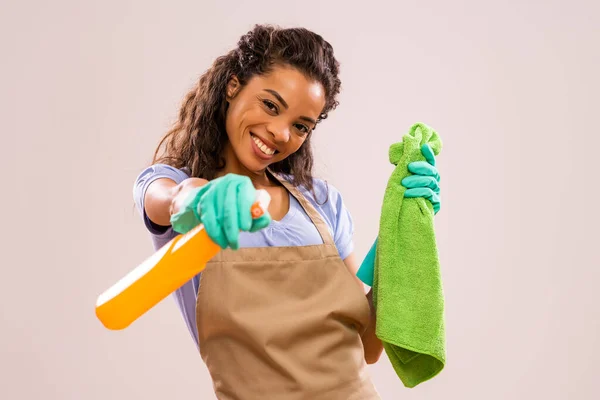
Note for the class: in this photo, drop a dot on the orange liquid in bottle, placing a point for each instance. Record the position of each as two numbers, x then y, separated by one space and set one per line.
161 274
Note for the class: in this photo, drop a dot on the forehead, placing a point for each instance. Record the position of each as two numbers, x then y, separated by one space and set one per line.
295 88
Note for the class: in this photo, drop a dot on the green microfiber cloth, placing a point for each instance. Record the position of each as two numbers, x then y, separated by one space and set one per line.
407 285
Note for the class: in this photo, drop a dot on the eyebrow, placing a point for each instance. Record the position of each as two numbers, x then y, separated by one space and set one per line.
282 101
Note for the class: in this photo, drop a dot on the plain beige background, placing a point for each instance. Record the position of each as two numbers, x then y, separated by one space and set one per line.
88 88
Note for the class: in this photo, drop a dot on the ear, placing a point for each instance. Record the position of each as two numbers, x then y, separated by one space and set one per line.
233 86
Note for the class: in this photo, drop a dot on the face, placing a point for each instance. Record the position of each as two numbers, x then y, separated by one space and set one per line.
270 117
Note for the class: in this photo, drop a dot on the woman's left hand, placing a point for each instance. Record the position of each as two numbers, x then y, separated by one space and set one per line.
426 180
424 183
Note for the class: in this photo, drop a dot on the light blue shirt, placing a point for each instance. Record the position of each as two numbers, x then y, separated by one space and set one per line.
294 229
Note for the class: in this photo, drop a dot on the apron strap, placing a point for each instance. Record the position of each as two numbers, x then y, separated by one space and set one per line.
310 210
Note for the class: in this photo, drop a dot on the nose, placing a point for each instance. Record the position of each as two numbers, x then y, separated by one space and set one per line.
280 131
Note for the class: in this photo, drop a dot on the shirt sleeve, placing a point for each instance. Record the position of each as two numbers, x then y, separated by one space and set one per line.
143 180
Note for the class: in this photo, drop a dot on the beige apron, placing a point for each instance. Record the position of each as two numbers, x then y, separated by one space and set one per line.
284 322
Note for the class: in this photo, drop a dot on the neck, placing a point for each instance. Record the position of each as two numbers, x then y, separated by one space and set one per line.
260 179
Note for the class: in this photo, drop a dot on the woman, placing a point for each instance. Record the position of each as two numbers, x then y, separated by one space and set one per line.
279 313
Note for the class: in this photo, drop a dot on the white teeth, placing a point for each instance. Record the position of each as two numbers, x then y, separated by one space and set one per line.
262 146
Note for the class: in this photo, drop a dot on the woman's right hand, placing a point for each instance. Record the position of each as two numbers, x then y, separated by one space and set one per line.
223 205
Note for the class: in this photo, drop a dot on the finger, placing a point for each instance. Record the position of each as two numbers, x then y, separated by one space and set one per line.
219 199
423 168
425 193
261 222
415 181
428 153
245 200
435 200
183 222
230 215
212 208
212 227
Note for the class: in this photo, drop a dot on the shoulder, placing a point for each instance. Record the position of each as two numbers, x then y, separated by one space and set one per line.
329 202
157 171
323 195
154 172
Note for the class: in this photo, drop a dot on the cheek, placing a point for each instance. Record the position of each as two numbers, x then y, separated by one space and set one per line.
296 144
230 117
242 116
234 119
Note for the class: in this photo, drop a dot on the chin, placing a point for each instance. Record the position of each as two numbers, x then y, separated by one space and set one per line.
253 165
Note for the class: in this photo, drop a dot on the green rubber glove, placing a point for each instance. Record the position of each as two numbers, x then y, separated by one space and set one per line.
223 205
424 183
426 180
366 269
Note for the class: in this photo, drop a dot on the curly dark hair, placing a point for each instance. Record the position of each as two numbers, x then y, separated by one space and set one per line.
197 139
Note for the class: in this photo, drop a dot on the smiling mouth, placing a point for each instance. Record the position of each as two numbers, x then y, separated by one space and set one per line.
263 147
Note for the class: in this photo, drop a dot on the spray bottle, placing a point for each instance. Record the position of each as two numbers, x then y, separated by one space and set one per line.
162 273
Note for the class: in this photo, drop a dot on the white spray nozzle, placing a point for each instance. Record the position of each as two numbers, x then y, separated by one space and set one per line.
263 199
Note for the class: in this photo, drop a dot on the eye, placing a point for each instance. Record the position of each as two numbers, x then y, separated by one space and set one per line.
270 105
303 128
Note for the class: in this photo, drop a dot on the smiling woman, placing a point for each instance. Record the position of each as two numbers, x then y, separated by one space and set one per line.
279 312
293 308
